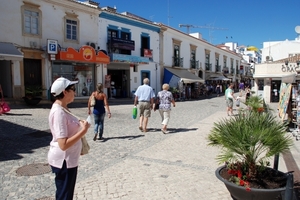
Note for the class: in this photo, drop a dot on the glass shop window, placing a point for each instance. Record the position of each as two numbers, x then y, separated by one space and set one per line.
81 72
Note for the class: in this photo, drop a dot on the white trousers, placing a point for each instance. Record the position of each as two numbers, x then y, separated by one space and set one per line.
165 116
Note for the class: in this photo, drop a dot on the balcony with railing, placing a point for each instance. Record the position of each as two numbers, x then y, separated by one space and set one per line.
194 64
177 62
225 70
218 68
208 67
232 70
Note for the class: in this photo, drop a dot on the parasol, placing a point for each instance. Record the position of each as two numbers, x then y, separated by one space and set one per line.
252 48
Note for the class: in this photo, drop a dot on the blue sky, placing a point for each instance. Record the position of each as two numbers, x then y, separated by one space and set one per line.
248 23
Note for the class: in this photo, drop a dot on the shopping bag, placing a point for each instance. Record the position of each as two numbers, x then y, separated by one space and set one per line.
5 107
134 112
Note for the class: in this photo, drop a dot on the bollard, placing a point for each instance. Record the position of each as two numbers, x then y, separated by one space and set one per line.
289 190
276 161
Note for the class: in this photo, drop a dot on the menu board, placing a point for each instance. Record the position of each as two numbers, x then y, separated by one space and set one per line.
285 93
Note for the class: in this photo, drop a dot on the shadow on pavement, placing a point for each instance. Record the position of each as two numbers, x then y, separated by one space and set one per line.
180 130
16 140
12 114
122 137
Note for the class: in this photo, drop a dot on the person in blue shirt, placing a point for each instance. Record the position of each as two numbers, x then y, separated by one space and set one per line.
144 95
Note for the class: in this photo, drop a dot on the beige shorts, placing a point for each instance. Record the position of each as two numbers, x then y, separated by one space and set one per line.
229 103
145 109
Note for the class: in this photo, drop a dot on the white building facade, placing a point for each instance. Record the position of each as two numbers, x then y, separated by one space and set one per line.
133 46
280 63
180 51
69 24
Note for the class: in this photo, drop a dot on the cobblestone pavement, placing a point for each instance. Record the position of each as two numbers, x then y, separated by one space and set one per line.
128 164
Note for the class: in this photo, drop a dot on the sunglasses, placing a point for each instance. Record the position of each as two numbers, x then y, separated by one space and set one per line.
73 88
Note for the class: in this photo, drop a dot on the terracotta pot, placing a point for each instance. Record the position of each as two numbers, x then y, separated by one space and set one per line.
240 193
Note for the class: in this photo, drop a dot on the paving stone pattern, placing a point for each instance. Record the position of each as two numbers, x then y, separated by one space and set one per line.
128 164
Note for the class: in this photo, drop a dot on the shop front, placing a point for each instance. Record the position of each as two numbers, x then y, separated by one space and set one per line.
268 78
123 71
184 84
82 65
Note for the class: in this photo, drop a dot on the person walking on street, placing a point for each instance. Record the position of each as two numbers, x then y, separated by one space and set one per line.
164 99
218 89
247 93
242 88
229 96
67 131
99 110
144 96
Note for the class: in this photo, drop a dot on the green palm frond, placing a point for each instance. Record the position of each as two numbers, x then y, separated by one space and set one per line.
250 137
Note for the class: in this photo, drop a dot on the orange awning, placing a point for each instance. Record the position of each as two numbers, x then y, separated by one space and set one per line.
85 54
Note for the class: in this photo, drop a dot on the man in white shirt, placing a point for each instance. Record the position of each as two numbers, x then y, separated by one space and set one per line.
144 95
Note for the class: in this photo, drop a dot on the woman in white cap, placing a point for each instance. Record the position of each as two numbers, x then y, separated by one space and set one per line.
67 130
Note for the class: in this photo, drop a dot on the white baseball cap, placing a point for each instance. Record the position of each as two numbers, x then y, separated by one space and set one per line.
60 85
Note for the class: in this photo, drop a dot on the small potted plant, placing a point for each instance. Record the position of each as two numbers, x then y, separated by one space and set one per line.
175 92
33 94
248 141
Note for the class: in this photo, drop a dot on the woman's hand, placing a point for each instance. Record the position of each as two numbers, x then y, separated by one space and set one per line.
84 124
109 115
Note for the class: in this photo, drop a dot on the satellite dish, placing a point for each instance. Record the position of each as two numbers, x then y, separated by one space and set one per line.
297 29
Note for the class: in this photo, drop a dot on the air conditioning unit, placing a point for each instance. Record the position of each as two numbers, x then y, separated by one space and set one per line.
92 44
269 58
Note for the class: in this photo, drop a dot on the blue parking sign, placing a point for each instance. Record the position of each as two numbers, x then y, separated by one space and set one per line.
52 46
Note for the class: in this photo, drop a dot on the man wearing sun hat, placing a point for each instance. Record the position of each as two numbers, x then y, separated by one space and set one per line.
67 131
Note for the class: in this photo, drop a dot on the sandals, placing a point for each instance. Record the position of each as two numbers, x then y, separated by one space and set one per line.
141 128
165 131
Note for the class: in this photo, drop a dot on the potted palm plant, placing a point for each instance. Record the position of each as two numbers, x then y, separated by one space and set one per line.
33 94
248 141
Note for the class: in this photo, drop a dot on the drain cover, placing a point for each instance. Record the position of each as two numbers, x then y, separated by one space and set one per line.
34 169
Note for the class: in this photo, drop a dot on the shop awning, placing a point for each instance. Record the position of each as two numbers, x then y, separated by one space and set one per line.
286 78
8 51
220 78
271 75
174 75
291 78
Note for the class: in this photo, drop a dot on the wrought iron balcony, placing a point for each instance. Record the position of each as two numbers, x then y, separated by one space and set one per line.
177 62
225 70
232 70
208 66
218 68
194 64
